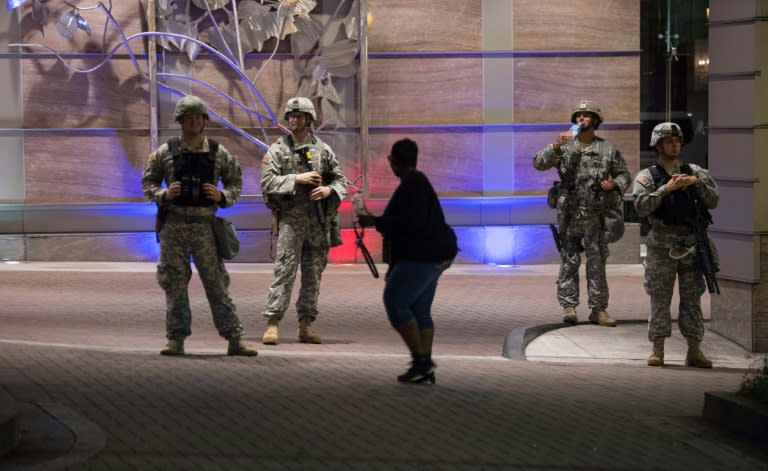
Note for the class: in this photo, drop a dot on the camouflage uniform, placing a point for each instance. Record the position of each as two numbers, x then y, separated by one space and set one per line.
661 267
188 231
581 213
304 226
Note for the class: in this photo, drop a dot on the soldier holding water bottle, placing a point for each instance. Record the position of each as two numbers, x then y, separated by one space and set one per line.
593 177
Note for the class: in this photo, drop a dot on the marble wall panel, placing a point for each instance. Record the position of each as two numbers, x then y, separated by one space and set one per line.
451 158
55 97
555 25
418 90
129 15
115 247
528 141
725 57
732 153
546 88
404 25
11 115
739 257
732 102
255 247
724 10
12 247
737 206
731 312
12 163
84 166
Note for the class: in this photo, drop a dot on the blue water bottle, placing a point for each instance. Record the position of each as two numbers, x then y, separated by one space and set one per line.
575 129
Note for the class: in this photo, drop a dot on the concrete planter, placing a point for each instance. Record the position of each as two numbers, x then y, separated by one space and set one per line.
738 414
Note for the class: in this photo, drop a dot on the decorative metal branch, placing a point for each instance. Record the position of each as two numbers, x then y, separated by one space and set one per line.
236 27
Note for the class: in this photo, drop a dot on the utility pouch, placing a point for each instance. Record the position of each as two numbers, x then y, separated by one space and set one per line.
335 231
227 243
557 196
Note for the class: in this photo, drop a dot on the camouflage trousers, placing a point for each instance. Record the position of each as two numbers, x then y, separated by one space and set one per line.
301 241
179 241
659 281
588 230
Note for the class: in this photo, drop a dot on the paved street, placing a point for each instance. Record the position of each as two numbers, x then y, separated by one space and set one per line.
79 350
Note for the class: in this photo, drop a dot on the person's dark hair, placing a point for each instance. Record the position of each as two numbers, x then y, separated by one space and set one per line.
405 152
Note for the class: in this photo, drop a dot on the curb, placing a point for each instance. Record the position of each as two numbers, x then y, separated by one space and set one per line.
737 414
10 428
516 341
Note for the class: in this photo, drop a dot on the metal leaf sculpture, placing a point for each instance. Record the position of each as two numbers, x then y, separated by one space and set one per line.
213 4
180 31
307 36
258 24
322 50
67 25
39 13
11 4
82 24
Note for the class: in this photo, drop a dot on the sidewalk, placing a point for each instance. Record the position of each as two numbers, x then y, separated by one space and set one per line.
627 343
79 350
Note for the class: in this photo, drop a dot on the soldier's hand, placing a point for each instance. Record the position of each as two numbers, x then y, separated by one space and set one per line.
319 193
562 139
607 185
366 220
689 180
677 182
309 178
174 190
211 192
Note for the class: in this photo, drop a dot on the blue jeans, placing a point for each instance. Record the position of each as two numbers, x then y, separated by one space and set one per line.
409 292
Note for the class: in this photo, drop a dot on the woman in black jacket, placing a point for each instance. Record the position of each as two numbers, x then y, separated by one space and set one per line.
419 246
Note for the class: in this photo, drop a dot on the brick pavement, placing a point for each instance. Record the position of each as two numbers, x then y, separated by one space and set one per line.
87 341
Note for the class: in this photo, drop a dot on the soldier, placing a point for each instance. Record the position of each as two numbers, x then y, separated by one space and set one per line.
191 167
593 178
668 193
302 183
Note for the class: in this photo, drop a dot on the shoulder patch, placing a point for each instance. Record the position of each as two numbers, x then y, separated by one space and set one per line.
265 159
643 180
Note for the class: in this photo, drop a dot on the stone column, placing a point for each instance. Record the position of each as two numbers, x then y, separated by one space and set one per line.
11 141
738 160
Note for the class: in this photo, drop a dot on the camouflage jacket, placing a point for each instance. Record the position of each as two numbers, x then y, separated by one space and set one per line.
159 168
582 168
280 166
648 197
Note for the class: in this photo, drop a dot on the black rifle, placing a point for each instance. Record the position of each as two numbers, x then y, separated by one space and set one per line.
162 214
306 160
704 258
556 236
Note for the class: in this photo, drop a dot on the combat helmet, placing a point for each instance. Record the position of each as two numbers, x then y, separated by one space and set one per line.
191 104
588 106
662 130
300 103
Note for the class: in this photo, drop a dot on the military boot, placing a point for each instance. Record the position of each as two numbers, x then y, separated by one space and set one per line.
657 355
173 348
306 334
569 315
600 317
694 357
270 335
239 348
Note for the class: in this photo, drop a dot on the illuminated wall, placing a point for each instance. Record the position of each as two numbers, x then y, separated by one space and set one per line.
480 85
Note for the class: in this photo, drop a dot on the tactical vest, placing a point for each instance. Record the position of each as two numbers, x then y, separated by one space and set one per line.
679 207
193 169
